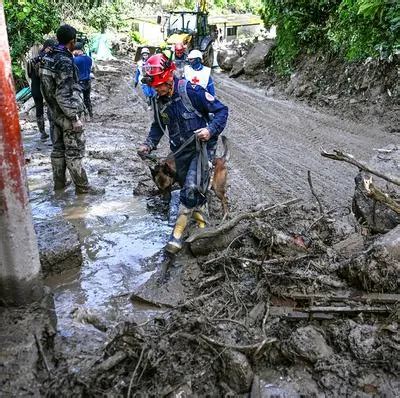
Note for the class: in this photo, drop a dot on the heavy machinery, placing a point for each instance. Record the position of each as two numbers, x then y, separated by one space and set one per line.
191 29
188 27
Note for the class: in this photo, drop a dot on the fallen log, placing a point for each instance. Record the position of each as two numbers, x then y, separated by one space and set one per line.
347 309
348 158
213 232
379 298
380 196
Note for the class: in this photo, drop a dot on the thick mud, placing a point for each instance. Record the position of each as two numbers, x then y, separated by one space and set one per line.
272 307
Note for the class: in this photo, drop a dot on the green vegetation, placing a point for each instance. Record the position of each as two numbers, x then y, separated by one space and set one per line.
28 21
352 29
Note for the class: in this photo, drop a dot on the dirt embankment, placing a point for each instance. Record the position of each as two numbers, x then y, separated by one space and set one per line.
295 300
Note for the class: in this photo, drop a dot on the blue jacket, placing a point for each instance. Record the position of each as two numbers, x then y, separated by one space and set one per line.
181 123
84 65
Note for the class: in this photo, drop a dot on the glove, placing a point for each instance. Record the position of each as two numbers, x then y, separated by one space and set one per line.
77 126
136 83
143 150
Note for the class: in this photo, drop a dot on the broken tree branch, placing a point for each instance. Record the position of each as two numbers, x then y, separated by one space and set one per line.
374 193
321 210
244 348
210 233
348 158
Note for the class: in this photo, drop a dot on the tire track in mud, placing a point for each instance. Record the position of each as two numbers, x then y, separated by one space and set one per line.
274 143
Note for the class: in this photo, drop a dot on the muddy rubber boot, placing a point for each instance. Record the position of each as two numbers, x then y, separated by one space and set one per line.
199 215
40 123
175 242
79 177
59 167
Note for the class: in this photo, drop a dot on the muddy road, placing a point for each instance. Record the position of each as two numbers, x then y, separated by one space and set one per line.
108 345
275 142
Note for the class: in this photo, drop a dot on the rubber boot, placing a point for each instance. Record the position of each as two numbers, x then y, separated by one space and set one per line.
175 242
79 177
40 123
199 215
59 168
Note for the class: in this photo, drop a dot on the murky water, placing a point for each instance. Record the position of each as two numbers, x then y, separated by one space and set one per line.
117 234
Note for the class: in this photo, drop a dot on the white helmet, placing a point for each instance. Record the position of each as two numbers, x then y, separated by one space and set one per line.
195 54
145 50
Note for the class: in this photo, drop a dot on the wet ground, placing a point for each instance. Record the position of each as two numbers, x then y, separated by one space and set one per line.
273 145
117 231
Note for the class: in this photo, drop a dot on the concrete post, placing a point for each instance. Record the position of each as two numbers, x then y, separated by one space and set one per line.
20 280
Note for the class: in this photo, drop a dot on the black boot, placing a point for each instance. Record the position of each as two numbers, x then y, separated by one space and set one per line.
79 177
59 168
40 123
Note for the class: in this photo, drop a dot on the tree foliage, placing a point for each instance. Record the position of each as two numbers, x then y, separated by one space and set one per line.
354 29
27 22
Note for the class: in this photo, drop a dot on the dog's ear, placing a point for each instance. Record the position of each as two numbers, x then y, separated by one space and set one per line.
169 169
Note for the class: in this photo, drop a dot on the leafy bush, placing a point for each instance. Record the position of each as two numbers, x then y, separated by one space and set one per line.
27 22
354 29
365 28
135 36
107 15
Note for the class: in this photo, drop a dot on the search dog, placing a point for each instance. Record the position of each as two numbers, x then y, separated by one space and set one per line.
163 173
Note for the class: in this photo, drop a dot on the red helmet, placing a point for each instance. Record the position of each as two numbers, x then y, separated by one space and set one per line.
158 69
179 49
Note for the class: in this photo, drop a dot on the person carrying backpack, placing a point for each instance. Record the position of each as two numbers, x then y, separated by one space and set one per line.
33 73
183 109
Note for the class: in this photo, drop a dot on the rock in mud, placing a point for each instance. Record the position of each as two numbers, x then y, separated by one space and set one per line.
238 373
389 244
238 67
308 344
257 56
364 342
226 58
376 271
59 245
377 216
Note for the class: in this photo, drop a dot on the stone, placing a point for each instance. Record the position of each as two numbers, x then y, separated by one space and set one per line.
238 67
257 57
238 373
389 244
59 245
226 58
308 344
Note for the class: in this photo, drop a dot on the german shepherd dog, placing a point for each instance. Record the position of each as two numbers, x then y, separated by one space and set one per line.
163 172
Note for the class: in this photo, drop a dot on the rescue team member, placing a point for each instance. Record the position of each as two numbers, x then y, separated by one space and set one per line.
33 72
180 59
184 109
197 73
148 91
60 87
84 64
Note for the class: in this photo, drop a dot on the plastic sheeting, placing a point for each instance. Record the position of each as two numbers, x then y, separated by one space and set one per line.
100 47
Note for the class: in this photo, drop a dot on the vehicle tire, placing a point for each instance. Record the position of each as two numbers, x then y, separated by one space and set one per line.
208 56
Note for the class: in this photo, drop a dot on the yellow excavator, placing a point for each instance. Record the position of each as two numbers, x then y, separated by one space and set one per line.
188 27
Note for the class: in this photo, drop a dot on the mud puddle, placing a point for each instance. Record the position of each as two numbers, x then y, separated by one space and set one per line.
117 234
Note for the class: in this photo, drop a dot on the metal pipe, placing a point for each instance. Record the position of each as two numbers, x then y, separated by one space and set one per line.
20 279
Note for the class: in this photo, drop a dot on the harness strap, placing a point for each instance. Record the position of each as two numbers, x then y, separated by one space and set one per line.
182 91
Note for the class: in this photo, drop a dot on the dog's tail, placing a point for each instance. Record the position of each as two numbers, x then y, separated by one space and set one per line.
226 154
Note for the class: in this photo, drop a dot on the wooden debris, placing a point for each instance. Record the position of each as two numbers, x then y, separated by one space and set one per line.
212 232
376 194
348 158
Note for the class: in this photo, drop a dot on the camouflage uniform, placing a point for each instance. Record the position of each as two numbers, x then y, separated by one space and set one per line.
59 83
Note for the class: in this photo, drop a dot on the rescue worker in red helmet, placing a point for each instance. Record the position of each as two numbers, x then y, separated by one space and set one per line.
180 58
183 110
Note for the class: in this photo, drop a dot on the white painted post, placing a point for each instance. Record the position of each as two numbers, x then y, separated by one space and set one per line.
20 279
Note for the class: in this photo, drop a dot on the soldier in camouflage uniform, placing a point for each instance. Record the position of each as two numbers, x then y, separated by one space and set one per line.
60 87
